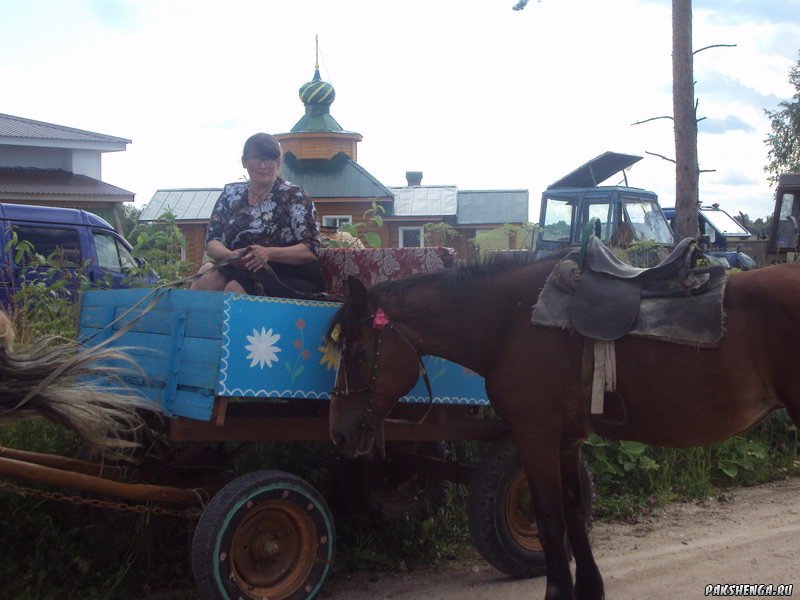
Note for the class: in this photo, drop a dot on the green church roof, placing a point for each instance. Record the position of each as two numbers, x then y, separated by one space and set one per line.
338 177
317 119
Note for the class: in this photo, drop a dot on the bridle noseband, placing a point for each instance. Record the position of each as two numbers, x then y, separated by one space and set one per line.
381 323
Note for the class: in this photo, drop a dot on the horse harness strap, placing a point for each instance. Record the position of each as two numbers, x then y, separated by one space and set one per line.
422 369
370 386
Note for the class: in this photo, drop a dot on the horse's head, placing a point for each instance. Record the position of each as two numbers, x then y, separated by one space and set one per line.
378 364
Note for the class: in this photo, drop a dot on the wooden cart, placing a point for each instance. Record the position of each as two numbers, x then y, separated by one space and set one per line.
242 369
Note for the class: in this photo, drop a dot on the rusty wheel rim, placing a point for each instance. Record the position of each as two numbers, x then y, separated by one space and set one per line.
273 550
520 517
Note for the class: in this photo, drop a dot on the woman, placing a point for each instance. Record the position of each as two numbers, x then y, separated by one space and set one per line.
266 228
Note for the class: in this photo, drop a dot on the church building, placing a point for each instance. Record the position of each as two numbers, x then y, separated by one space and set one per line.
322 157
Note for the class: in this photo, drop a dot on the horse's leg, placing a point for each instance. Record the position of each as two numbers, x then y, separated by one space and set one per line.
538 450
588 581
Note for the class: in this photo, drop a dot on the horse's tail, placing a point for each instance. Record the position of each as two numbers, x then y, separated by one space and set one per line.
69 384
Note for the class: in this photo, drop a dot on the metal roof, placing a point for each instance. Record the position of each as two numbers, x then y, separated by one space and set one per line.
318 119
789 179
29 182
478 207
185 204
338 177
425 200
596 171
19 127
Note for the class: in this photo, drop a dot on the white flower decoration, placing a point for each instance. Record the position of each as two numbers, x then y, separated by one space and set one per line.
262 348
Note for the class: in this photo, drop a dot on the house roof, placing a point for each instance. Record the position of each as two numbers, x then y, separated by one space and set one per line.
27 183
26 132
425 200
185 204
338 177
478 207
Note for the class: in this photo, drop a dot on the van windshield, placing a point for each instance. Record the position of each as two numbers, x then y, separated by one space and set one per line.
112 254
724 223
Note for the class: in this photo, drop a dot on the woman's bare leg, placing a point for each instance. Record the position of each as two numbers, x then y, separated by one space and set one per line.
235 286
210 279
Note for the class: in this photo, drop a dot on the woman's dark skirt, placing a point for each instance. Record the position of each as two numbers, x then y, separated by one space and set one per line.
281 281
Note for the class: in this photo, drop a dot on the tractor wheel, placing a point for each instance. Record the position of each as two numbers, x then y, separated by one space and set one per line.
267 534
387 492
501 518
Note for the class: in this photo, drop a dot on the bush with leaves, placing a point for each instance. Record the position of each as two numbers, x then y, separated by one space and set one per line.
631 476
500 238
373 218
160 244
439 234
44 302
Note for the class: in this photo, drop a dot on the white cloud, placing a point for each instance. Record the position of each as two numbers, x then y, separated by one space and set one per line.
470 92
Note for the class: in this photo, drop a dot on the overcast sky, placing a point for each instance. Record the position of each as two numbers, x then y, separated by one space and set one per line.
467 91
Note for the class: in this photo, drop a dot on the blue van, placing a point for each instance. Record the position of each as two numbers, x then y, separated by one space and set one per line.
82 241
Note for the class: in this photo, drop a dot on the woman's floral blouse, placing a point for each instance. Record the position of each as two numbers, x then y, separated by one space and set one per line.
285 218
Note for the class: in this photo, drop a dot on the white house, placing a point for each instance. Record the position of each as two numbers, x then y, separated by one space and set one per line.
53 165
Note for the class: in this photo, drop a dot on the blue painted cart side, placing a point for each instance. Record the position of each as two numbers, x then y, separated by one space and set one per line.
177 344
194 346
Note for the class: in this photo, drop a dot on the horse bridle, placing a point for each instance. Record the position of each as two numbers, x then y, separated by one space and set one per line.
346 392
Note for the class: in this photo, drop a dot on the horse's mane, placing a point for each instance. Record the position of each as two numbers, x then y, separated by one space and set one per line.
453 283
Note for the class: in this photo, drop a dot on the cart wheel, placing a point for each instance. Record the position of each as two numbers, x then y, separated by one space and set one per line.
501 519
388 493
267 534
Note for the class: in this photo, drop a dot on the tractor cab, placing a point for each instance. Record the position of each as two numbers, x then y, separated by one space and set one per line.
785 231
627 215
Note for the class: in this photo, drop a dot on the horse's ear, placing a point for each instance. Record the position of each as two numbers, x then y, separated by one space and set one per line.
356 294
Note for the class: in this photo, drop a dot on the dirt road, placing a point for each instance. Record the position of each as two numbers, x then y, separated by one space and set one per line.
753 536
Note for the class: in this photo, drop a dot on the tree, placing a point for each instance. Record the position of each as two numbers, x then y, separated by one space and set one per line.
784 141
160 244
129 218
687 172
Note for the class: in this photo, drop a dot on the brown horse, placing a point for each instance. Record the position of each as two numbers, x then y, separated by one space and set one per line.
480 317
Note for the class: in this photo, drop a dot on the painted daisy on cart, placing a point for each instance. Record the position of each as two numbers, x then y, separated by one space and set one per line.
262 348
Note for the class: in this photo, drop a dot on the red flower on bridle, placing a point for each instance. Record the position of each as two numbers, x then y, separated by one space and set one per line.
379 319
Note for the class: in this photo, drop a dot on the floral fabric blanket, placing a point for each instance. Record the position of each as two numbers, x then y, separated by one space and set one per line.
375 265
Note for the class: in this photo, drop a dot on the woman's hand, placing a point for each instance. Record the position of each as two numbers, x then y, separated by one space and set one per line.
256 257
237 259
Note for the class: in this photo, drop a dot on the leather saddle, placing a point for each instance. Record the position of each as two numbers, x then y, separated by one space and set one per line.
605 296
